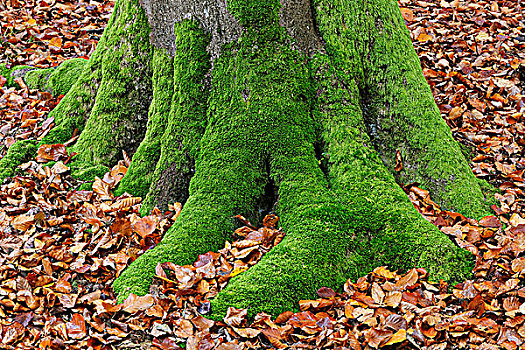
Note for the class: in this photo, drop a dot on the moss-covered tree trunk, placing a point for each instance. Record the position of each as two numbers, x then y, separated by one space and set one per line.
303 107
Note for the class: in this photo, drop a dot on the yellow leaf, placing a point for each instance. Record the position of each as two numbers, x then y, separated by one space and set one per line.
384 272
238 271
349 309
398 337
56 42
424 37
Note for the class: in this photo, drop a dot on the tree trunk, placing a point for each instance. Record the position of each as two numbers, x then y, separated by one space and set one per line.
314 109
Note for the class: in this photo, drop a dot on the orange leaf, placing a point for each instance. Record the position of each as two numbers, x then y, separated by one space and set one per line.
398 337
247 332
490 221
325 292
23 222
518 265
63 286
270 221
48 153
102 189
407 13
135 303
76 329
126 203
399 162
424 37
235 317
285 316
145 226
384 272
408 280
377 293
55 44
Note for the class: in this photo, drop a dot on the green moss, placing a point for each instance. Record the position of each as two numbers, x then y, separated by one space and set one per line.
390 231
489 192
258 117
116 65
313 253
256 14
117 119
18 153
4 71
468 151
59 80
37 78
75 107
65 75
230 173
261 125
400 112
12 73
364 221
88 173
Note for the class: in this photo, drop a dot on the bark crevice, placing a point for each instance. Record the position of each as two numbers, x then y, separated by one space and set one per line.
269 199
323 158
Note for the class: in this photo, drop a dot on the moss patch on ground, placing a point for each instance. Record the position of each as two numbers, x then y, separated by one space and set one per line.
12 73
18 153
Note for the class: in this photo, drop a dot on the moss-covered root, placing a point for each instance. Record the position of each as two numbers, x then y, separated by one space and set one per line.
400 112
139 175
18 153
120 67
164 163
59 80
312 254
75 108
120 111
228 181
327 241
255 104
396 234
403 117
368 221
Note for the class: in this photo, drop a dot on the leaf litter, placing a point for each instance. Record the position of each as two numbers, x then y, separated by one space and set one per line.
23 114
44 33
60 249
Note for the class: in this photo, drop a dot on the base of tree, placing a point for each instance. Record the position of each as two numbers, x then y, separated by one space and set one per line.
320 137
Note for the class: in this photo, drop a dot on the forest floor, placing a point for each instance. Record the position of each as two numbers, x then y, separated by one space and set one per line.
61 249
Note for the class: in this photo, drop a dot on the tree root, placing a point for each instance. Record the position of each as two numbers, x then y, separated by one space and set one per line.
59 80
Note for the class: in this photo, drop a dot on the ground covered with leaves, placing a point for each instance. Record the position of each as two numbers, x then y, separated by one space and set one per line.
61 249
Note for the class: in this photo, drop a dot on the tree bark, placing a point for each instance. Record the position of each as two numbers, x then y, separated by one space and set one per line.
324 101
